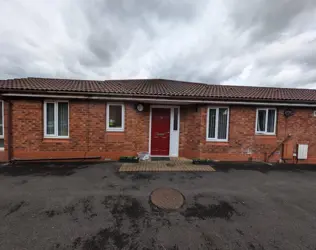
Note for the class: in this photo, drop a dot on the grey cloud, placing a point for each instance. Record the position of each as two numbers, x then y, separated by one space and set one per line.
138 10
253 42
114 24
267 19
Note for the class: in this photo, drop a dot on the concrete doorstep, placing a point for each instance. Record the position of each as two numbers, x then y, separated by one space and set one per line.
174 165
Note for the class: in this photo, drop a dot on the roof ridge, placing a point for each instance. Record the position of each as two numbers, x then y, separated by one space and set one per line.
159 87
261 87
179 81
57 78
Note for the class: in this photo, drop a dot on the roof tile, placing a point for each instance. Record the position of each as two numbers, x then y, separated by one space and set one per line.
158 88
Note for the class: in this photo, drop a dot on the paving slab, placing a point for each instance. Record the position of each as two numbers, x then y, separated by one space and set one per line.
174 165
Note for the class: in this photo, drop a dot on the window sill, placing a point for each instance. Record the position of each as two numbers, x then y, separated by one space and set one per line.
1 149
265 135
115 131
216 141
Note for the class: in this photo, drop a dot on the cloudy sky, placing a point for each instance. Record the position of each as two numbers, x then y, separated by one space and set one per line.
249 42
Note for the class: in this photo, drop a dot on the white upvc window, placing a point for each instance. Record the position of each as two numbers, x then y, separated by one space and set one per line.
266 121
1 125
56 119
115 113
217 124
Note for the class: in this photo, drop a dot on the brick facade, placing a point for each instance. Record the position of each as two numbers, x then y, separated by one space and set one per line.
87 132
243 142
88 135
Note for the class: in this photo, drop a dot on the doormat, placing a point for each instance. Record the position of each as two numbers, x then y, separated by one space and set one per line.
160 158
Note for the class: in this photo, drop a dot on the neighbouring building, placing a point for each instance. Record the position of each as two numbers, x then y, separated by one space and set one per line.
60 118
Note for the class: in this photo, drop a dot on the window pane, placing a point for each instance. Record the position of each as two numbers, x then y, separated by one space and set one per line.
222 123
212 120
175 119
1 119
271 120
115 116
261 125
1 143
63 119
50 117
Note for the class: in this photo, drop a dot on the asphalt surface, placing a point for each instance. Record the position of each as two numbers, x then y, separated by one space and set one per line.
92 206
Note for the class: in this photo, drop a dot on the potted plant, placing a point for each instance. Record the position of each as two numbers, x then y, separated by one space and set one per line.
199 161
129 159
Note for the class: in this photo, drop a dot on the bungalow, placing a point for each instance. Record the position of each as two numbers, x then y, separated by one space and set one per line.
60 118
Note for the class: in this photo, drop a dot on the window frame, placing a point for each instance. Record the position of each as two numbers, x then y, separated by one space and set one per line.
2 136
175 117
108 128
55 135
216 124
266 122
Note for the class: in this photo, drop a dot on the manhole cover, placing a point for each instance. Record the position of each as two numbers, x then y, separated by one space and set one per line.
167 198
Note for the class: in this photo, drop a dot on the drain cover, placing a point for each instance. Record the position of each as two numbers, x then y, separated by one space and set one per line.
167 198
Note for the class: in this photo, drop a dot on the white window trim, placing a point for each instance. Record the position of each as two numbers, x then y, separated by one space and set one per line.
2 136
216 125
266 125
55 135
121 129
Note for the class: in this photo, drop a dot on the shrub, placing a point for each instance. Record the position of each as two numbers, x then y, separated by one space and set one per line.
201 161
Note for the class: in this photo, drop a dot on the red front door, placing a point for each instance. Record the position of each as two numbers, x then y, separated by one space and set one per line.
160 131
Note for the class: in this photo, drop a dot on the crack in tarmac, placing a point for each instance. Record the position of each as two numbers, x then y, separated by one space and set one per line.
16 207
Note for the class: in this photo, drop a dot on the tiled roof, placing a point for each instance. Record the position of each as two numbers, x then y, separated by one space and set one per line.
158 88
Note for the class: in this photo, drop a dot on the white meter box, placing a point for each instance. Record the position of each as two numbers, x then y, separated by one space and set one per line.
302 151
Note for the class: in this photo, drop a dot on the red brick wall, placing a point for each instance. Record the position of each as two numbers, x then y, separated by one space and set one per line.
242 137
190 132
88 135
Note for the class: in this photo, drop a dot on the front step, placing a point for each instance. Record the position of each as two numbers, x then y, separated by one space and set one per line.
162 158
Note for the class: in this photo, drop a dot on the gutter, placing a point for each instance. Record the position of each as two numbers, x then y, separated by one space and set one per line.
160 100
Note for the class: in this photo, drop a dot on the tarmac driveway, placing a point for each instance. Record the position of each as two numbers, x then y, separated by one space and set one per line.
92 206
